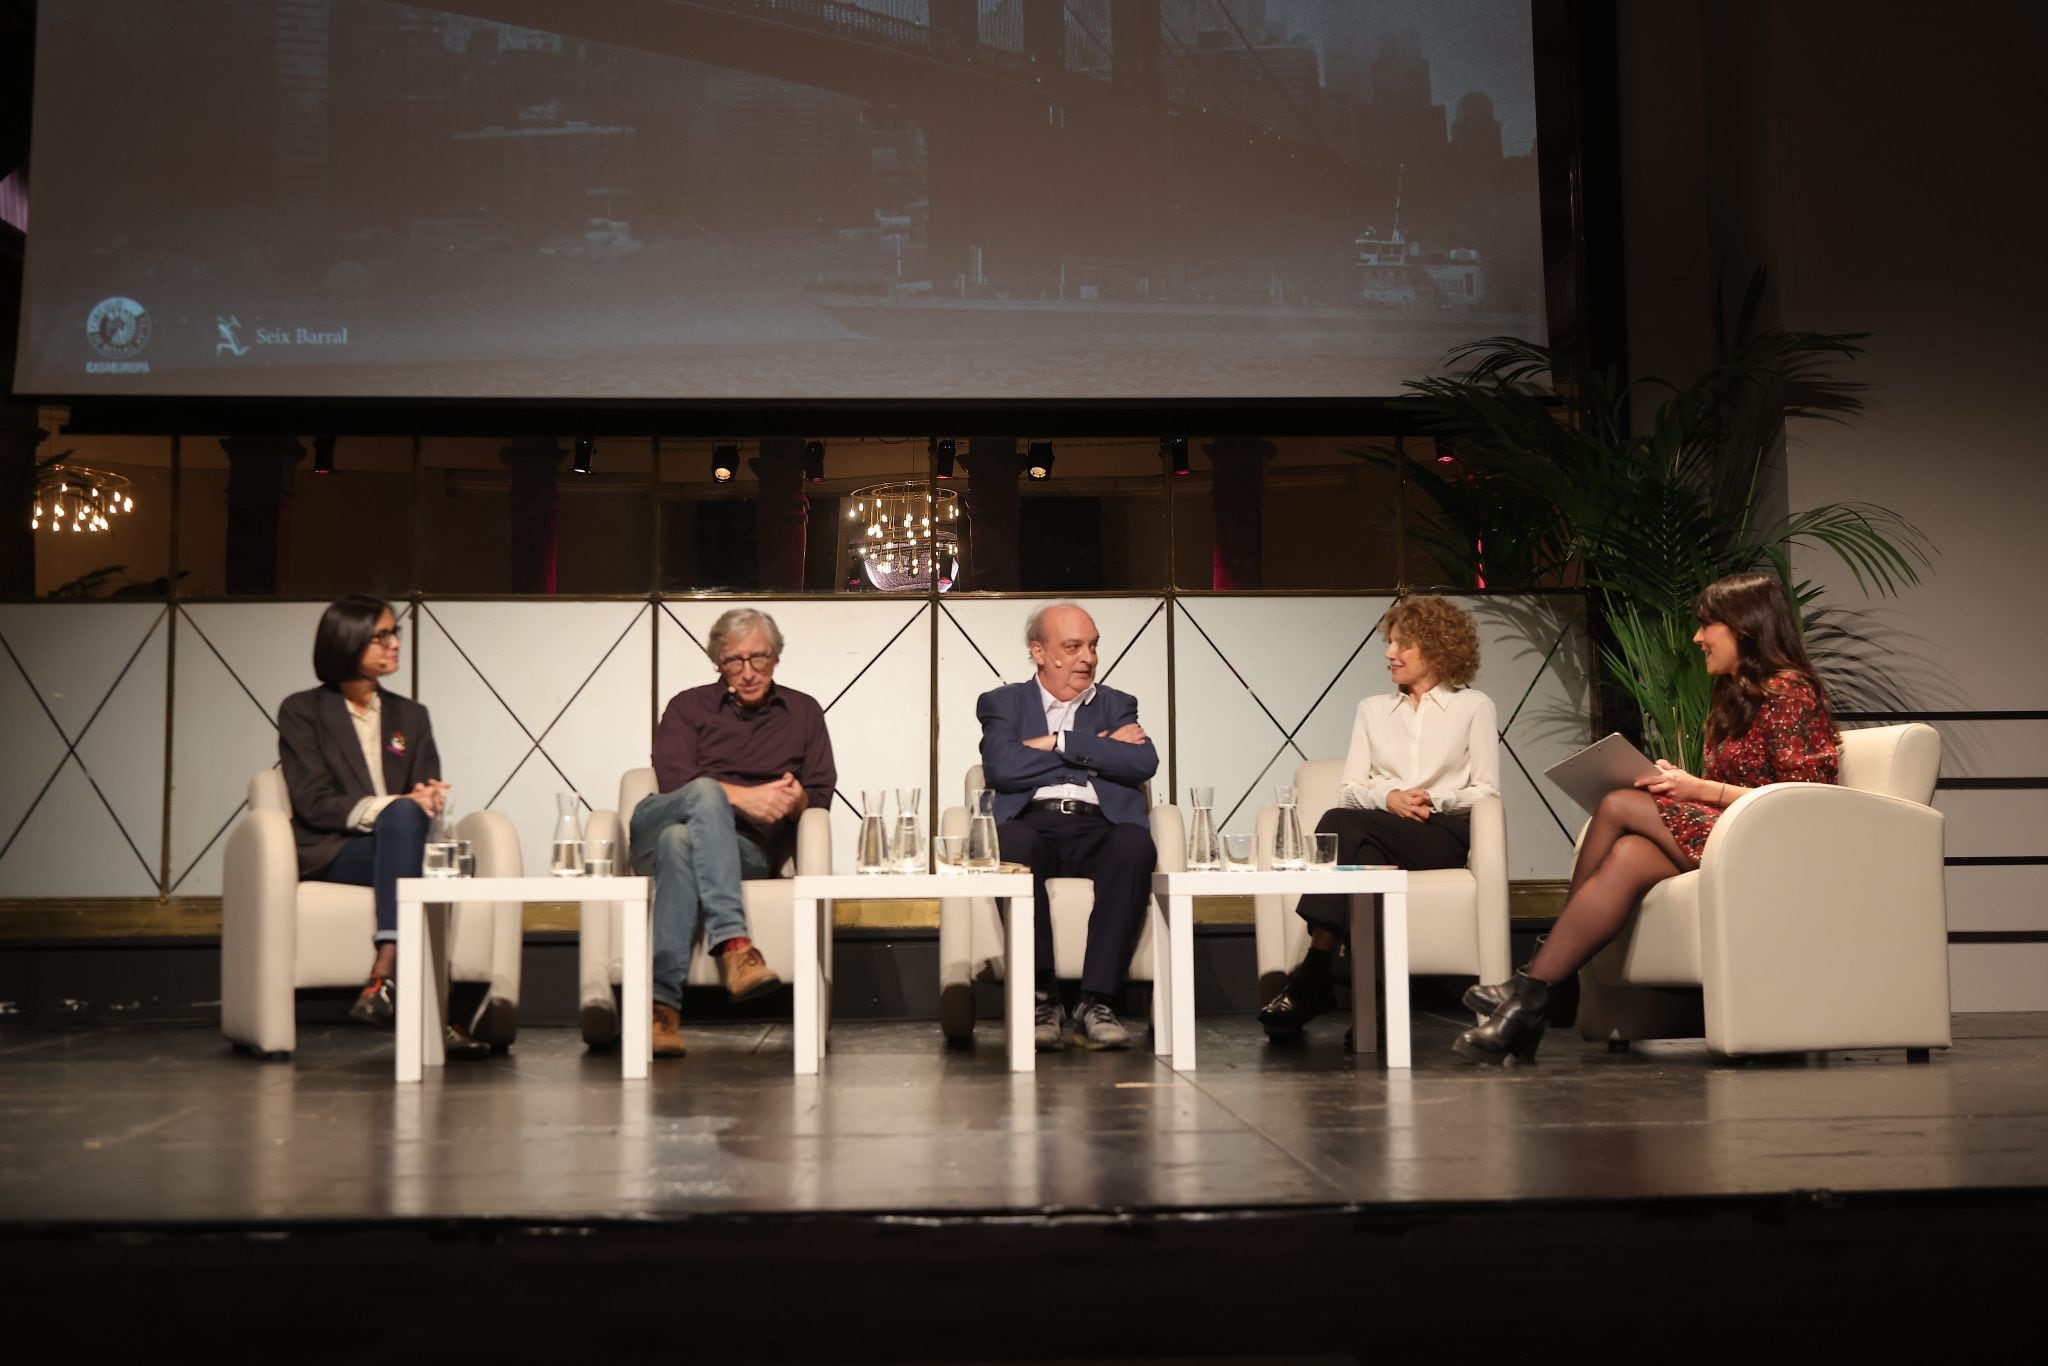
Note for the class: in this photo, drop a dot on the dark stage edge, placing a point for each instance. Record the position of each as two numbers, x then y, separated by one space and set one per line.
922 1204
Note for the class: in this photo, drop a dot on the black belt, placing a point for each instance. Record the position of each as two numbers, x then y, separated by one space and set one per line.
1066 806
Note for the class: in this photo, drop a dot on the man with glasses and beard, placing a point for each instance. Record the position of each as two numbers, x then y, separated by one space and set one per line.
736 763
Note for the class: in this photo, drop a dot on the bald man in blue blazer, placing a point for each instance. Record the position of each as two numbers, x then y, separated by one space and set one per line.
1068 762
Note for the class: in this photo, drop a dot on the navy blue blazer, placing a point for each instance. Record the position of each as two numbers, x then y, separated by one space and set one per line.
1012 714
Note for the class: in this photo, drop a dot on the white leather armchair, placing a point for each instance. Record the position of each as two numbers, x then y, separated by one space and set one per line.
1457 917
278 934
767 901
1817 920
971 933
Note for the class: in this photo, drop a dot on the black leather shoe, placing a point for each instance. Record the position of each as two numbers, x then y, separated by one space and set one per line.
496 1024
1303 998
1514 1030
378 1003
457 1046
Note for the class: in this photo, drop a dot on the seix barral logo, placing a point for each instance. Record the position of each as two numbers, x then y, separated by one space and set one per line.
117 328
232 338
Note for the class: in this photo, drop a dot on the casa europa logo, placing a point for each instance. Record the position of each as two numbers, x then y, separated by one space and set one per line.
118 329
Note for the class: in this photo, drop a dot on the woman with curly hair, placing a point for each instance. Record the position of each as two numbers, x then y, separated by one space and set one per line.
1420 756
1768 723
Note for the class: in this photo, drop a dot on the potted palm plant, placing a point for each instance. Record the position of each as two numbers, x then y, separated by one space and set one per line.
1549 485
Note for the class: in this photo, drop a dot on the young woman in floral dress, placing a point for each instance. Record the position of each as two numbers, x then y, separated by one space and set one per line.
1768 723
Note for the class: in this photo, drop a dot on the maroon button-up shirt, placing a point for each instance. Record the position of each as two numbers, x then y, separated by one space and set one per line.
706 733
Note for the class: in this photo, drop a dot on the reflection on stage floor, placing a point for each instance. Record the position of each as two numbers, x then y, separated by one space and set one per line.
165 1125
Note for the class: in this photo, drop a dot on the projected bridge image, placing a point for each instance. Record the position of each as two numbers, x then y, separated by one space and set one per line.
783 198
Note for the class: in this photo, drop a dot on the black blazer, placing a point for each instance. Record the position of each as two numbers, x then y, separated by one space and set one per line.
323 765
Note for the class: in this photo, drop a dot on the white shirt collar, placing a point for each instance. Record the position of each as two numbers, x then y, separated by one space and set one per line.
1047 701
1440 694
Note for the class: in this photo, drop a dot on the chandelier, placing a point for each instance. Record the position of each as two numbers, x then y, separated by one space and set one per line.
76 498
908 535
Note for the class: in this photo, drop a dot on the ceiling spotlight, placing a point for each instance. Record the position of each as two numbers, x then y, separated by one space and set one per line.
943 448
1175 448
585 448
323 455
725 461
1038 462
814 460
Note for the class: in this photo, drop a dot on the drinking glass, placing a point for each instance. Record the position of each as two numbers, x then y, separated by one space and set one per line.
465 859
952 851
597 858
1238 850
438 859
1325 858
984 851
871 849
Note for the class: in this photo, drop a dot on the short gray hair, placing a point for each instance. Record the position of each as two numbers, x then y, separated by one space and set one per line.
1034 625
738 622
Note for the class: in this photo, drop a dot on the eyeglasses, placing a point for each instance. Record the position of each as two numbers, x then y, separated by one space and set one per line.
735 665
387 638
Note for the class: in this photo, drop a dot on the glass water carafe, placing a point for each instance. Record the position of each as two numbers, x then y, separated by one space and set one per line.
1205 850
909 844
984 851
1290 850
566 853
871 848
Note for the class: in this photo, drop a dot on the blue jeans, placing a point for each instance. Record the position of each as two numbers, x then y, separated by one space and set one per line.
687 840
394 848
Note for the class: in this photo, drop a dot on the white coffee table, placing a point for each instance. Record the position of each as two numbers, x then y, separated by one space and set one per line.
1173 901
814 895
423 906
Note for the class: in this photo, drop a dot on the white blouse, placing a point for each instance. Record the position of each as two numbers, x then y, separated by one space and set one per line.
369 724
1449 746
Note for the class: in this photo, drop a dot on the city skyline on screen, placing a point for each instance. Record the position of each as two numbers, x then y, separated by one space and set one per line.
891 199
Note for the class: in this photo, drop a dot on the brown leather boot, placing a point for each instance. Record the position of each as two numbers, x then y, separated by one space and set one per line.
668 1032
746 973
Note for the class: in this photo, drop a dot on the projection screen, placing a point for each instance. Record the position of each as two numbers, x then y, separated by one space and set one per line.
776 199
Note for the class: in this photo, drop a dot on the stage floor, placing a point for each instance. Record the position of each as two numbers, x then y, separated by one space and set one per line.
154 1126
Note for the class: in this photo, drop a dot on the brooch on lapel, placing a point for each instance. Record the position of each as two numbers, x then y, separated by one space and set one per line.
396 744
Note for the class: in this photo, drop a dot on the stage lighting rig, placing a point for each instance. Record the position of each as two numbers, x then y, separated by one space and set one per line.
943 449
323 455
725 461
585 449
1175 449
814 461
1038 460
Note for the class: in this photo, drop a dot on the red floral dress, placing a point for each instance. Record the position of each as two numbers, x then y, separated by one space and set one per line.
1790 741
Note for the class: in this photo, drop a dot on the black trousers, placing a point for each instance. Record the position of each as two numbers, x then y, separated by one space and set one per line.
1383 837
1118 858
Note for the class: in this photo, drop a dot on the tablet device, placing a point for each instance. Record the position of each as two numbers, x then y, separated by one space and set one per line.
1599 769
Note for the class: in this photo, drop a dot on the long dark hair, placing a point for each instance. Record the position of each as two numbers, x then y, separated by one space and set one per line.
342 636
1767 643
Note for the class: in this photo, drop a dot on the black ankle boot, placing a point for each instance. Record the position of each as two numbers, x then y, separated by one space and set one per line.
1515 1028
1308 993
1482 1000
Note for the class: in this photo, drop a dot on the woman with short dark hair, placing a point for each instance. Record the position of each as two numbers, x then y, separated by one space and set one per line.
365 782
1768 723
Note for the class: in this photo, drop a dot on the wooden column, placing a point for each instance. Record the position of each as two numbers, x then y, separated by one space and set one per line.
1237 493
993 468
782 514
535 500
260 469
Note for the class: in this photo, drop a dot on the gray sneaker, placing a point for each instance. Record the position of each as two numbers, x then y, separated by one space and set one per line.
1050 1023
1096 1027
